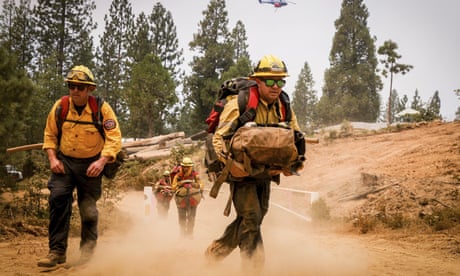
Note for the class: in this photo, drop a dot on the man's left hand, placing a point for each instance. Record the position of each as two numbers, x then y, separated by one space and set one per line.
96 168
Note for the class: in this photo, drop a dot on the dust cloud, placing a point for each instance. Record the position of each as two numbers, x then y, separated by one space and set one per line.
153 246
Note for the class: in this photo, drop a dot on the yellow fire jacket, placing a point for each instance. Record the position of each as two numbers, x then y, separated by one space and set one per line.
187 175
265 114
83 140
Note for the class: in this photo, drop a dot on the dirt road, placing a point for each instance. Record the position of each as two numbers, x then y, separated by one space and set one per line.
293 246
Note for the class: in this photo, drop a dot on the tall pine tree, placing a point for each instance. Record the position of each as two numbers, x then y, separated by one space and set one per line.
15 97
433 109
351 82
151 94
17 32
392 67
165 44
63 33
215 55
305 99
112 56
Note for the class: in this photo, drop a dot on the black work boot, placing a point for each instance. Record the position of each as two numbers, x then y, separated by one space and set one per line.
52 259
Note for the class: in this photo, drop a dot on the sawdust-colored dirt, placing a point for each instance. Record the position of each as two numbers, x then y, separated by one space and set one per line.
410 174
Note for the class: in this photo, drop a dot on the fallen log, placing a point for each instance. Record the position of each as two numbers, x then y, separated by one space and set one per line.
364 194
25 147
154 140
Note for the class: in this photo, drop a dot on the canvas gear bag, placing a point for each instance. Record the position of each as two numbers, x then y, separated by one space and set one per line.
95 103
187 195
259 148
230 87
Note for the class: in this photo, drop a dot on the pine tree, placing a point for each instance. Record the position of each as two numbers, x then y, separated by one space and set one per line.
388 49
417 103
63 32
241 68
351 83
239 41
151 95
17 32
112 56
165 43
433 110
212 42
305 99
16 90
140 45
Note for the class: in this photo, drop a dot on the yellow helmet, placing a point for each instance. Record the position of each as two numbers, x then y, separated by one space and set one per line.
187 162
270 66
80 74
166 173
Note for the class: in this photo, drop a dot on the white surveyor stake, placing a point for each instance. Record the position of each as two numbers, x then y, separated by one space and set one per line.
148 201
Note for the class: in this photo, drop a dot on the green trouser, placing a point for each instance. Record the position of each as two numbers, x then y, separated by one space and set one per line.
250 199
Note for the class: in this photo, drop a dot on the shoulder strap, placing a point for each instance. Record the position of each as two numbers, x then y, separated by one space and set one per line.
60 114
285 107
248 99
95 103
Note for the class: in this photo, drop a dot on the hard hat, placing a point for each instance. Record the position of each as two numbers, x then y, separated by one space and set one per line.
80 74
270 66
187 162
166 173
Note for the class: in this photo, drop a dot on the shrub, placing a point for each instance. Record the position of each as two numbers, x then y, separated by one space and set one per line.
320 211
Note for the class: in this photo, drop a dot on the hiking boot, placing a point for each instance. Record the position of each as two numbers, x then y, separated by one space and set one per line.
52 259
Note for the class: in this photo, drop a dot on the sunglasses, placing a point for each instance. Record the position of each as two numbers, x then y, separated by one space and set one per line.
78 75
271 82
80 87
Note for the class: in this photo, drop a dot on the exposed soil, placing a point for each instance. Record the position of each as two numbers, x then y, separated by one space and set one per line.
375 182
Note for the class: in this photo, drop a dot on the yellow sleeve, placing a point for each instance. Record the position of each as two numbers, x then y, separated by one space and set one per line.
227 117
51 130
174 183
112 144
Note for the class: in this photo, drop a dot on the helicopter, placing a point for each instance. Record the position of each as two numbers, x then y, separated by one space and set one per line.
276 3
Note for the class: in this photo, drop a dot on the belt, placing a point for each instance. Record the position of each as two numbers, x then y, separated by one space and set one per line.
79 160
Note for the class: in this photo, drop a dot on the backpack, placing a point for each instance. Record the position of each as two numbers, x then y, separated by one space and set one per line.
95 103
248 99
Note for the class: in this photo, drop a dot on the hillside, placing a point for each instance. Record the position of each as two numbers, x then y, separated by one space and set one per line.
394 179
412 172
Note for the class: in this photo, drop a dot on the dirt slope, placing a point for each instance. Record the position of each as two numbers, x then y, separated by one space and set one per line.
417 164
411 173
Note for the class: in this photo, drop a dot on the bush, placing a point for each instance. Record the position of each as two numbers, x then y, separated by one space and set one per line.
320 211
443 219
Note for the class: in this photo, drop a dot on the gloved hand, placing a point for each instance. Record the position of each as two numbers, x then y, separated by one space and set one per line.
296 166
300 142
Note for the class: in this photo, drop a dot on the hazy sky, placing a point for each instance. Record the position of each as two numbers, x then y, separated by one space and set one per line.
427 33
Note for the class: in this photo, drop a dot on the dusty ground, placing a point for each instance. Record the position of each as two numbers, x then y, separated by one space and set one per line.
411 173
